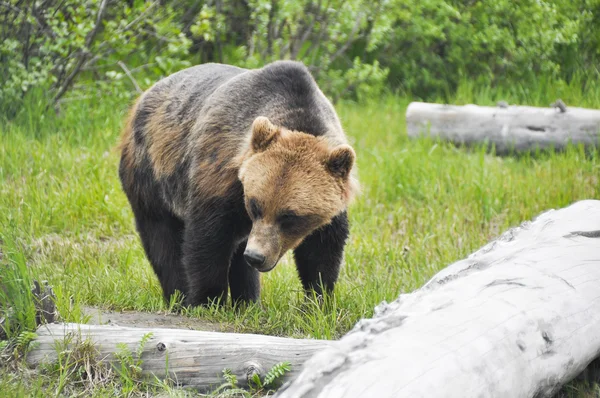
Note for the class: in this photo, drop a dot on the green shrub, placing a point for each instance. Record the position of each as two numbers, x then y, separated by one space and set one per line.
355 48
52 45
433 44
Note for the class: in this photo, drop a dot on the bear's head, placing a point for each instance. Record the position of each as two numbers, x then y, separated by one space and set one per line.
294 183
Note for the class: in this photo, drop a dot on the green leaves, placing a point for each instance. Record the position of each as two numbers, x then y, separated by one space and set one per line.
355 48
74 47
435 43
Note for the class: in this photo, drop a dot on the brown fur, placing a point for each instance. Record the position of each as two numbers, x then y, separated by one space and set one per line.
218 173
166 138
126 145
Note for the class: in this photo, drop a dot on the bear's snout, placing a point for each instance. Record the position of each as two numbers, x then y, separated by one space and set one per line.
254 259
264 248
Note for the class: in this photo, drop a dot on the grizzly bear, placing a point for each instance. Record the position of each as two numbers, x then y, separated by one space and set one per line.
226 169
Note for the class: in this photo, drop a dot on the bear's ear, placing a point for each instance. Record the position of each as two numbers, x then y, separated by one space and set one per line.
341 160
264 133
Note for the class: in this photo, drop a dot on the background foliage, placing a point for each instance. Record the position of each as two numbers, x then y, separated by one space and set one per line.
70 49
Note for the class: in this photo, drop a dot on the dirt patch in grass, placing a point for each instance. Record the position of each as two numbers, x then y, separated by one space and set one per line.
150 320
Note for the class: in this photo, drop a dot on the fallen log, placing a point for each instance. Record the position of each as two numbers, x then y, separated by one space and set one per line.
508 128
518 318
191 358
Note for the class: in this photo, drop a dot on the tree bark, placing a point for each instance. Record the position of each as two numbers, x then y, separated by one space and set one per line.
518 318
508 128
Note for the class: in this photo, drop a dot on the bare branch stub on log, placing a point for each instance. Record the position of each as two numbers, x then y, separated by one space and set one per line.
45 303
508 128
518 318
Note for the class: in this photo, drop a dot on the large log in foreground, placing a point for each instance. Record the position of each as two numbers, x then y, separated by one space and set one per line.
192 358
510 128
518 318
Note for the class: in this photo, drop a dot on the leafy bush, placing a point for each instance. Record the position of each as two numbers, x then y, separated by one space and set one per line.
50 44
320 34
355 48
433 44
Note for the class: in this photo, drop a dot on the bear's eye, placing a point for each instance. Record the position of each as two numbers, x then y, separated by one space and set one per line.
293 223
254 209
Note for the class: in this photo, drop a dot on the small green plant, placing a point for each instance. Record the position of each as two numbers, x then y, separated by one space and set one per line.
230 388
22 344
130 369
257 386
271 379
230 378
274 375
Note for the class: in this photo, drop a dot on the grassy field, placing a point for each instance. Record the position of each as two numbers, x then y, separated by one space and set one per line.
424 205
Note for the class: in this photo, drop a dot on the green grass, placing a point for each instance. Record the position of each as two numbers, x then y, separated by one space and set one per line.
423 206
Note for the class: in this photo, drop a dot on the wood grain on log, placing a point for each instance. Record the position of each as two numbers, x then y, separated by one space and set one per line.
509 128
518 318
195 359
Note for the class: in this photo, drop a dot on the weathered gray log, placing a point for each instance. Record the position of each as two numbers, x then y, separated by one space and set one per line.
518 318
195 359
508 128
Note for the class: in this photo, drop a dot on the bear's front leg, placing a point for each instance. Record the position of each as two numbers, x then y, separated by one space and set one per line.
207 251
244 280
319 256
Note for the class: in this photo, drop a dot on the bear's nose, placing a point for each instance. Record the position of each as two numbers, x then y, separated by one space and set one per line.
253 258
